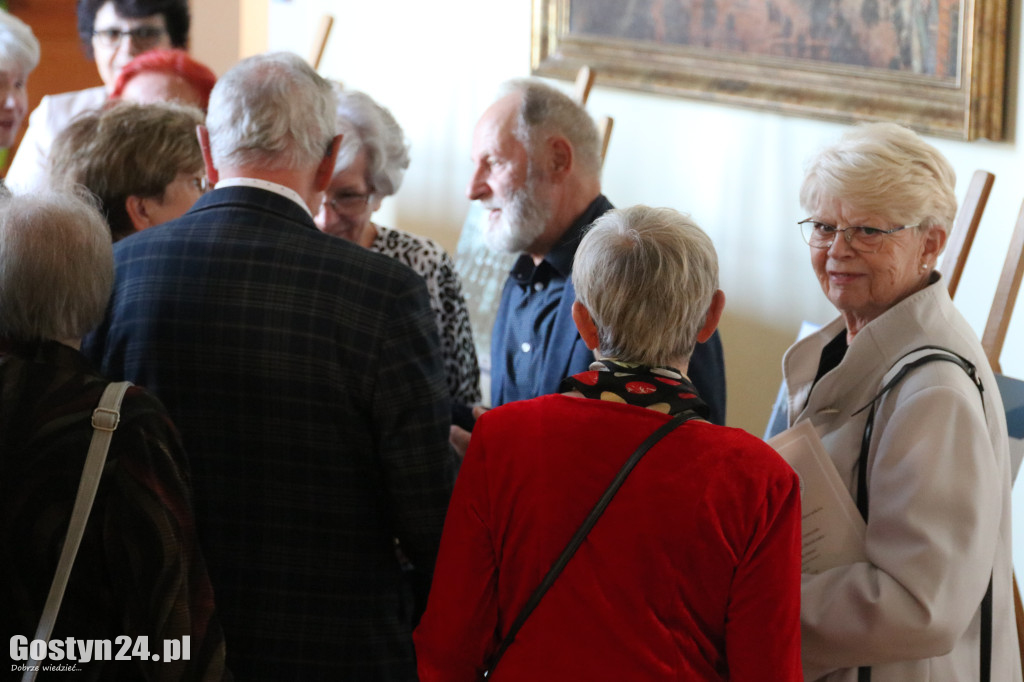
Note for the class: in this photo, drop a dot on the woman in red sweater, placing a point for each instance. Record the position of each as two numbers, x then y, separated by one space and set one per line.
693 570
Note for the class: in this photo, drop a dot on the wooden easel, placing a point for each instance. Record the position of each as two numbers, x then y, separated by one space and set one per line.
584 82
1006 296
323 32
964 229
992 342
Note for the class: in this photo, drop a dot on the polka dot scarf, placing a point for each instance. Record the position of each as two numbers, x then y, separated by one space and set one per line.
662 389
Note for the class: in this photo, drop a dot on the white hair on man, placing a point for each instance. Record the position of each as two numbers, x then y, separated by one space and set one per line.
271 111
18 45
368 127
647 276
56 266
884 169
546 111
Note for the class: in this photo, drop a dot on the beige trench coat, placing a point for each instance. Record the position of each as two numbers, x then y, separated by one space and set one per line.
939 512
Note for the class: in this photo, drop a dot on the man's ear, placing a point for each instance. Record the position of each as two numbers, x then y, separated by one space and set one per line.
585 325
560 157
325 171
713 317
136 207
212 176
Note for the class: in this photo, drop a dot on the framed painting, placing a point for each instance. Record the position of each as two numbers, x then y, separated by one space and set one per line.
935 65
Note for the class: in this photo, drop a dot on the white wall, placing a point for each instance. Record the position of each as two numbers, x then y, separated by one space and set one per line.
437 65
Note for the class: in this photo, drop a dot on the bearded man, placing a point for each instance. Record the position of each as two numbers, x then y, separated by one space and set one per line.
537 170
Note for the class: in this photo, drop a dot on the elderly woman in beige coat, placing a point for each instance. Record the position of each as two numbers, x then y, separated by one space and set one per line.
930 472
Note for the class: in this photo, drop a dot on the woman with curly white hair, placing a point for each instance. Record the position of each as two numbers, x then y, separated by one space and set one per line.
371 163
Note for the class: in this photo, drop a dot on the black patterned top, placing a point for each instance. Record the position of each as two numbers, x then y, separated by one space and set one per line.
139 571
428 260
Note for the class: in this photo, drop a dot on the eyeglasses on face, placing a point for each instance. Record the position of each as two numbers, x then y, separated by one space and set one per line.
821 235
347 202
201 184
144 37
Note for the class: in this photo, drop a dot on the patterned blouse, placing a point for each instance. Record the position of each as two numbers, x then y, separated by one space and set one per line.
138 571
428 260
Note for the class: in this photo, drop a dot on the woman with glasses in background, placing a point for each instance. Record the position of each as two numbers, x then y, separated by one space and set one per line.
142 161
920 442
371 162
113 32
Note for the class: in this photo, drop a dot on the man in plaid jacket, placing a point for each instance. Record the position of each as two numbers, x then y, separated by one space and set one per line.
305 375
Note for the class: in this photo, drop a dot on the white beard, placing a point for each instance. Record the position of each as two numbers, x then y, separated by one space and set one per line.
522 221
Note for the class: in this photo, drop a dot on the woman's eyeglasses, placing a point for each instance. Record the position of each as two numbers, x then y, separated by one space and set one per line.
201 184
144 37
342 203
821 235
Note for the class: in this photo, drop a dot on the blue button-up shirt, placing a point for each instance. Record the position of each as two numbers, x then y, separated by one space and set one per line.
532 356
535 343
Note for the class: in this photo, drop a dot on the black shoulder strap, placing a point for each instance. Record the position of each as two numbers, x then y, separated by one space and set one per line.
944 355
582 533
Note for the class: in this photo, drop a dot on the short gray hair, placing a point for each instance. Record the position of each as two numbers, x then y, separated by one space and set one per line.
647 276
17 42
56 266
544 111
367 126
271 111
887 170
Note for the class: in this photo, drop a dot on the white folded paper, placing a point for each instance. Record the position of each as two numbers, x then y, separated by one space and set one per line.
833 530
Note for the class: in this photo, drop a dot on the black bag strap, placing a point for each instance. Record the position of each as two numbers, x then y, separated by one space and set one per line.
582 532
943 355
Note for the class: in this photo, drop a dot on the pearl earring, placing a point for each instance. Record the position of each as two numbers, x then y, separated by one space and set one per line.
924 266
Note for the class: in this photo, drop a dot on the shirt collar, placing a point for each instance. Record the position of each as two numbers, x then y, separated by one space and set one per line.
561 255
286 192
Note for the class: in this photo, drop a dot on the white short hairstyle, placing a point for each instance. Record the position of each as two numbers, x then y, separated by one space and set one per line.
647 276
887 170
18 45
271 111
544 111
367 126
56 266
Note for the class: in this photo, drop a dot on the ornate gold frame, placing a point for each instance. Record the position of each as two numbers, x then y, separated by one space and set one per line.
968 105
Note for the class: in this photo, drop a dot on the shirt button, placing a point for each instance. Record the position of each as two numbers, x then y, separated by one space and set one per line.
525 347
538 286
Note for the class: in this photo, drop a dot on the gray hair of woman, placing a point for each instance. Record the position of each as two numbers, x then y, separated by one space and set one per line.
56 266
544 111
367 126
18 45
886 170
273 111
647 276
